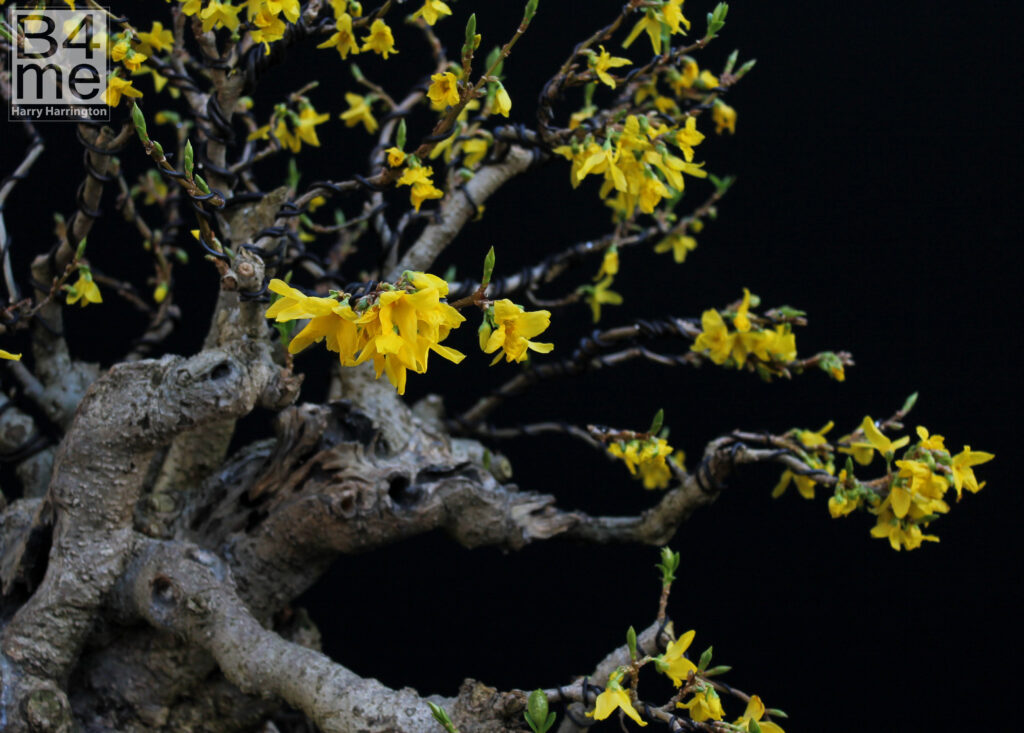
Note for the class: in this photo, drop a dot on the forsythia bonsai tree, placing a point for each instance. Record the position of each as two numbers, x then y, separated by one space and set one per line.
148 565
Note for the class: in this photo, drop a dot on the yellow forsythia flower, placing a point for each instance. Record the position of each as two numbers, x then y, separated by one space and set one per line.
342 39
679 244
705 705
673 664
724 117
219 15
9 355
444 90
603 61
431 11
359 111
117 88
84 290
754 712
963 474
509 328
614 698
380 40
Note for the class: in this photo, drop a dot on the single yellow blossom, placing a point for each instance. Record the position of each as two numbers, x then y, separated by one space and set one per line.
609 263
359 111
673 14
881 443
963 474
219 15
157 38
754 712
599 294
673 664
614 697
269 29
649 24
707 80
714 338
431 11
380 40
502 102
444 89
510 328
741 322
395 157
342 39
84 290
8 354
724 117
931 442
679 244
473 151
603 61
688 137
117 88
705 705
812 439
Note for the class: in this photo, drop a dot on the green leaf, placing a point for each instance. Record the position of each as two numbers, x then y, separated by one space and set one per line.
548 723
471 31
705 659
292 177
908 405
731 61
776 713
488 268
80 252
400 135
531 10
753 727
659 419
494 60
536 712
720 669
631 642
139 120
190 159
442 717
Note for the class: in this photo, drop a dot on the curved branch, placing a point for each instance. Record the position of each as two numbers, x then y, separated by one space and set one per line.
187 591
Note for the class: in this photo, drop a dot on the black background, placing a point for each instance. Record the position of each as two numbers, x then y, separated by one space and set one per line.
876 152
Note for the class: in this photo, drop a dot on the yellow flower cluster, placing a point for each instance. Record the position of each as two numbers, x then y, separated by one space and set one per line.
634 159
646 458
396 326
720 344
380 39
925 473
904 501
703 706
